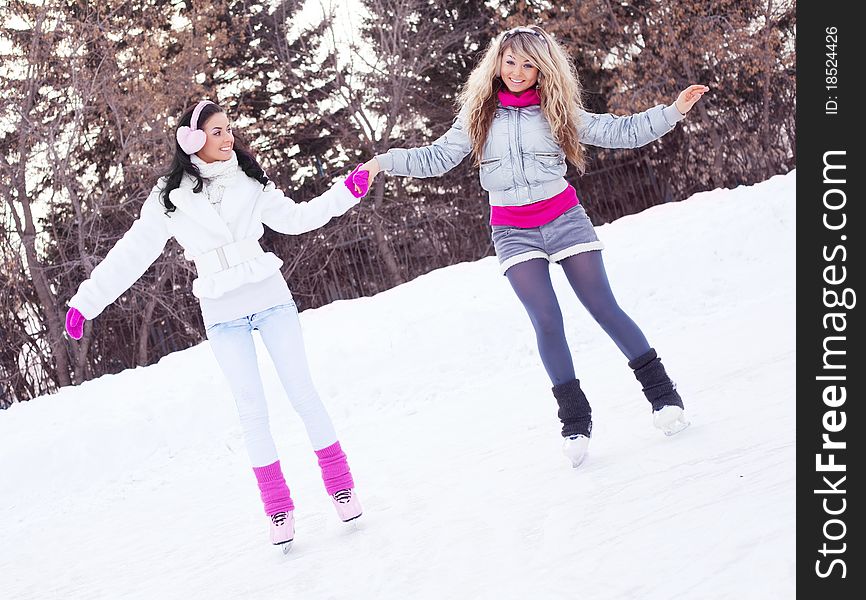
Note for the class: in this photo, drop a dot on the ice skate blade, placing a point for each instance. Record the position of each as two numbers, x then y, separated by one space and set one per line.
354 526
579 461
676 427
576 450
350 519
670 419
285 547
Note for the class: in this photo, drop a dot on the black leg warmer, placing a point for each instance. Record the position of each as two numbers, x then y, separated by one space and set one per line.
657 386
574 410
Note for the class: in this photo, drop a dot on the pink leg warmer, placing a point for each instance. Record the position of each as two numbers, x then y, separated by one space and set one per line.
275 492
335 469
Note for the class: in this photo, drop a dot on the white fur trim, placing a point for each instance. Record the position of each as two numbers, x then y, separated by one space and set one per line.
522 258
576 249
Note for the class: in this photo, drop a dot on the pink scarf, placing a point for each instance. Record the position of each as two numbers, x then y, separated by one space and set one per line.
538 213
527 98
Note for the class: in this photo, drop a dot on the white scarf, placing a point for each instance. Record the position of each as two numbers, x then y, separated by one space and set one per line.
219 172
217 175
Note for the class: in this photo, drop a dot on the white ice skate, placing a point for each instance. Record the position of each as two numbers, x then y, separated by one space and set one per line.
575 449
283 530
670 419
347 504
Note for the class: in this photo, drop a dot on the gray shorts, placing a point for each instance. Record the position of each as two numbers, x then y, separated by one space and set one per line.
569 234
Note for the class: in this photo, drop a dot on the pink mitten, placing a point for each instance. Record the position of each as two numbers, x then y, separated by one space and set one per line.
75 323
358 182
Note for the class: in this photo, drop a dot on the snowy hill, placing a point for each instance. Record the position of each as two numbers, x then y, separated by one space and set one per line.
137 485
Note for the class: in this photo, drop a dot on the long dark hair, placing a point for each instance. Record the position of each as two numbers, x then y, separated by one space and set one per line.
181 163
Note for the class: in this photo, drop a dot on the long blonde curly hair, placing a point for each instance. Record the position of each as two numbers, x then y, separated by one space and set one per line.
558 87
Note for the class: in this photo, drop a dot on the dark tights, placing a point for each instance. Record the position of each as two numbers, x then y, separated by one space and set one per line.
586 274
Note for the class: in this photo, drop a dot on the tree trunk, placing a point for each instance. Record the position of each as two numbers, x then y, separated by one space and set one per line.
715 139
768 72
147 316
50 307
386 253
26 230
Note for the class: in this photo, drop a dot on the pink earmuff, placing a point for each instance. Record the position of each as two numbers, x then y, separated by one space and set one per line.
192 140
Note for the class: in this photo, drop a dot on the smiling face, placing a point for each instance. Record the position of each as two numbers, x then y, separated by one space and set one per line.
517 71
220 140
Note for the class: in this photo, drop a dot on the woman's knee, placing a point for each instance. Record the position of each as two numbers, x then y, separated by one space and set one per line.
548 322
609 315
254 421
307 402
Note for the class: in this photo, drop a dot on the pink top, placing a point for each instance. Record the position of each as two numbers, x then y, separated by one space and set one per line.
541 212
535 214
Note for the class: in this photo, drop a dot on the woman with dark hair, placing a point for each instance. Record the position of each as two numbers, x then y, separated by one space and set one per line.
183 163
214 201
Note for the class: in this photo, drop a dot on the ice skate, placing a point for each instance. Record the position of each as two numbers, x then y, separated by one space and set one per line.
347 504
283 530
661 392
575 448
576 416
670 419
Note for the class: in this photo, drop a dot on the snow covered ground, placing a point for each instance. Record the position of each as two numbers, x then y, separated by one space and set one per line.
137 485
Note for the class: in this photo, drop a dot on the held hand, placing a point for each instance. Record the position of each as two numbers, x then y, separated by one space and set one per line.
357 182
74 323
372 166
689 96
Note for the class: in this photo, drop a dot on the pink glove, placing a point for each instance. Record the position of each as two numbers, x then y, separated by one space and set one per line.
75 323
358 182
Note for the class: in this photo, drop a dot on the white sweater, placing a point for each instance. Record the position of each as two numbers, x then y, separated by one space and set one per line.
230 290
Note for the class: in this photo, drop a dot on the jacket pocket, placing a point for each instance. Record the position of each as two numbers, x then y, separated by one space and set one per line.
549 158
490 164
499 232
547 164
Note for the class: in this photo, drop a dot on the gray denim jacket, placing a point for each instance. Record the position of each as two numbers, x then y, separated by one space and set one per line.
521 163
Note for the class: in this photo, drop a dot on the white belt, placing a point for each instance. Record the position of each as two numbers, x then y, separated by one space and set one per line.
227 256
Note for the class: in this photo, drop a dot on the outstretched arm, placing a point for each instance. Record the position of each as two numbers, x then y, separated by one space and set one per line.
125 263
633 131
438 158
282 214
689 97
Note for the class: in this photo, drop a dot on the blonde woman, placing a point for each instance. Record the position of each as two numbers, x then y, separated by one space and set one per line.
522 118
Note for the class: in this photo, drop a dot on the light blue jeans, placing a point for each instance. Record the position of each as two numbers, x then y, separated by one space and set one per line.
280 329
